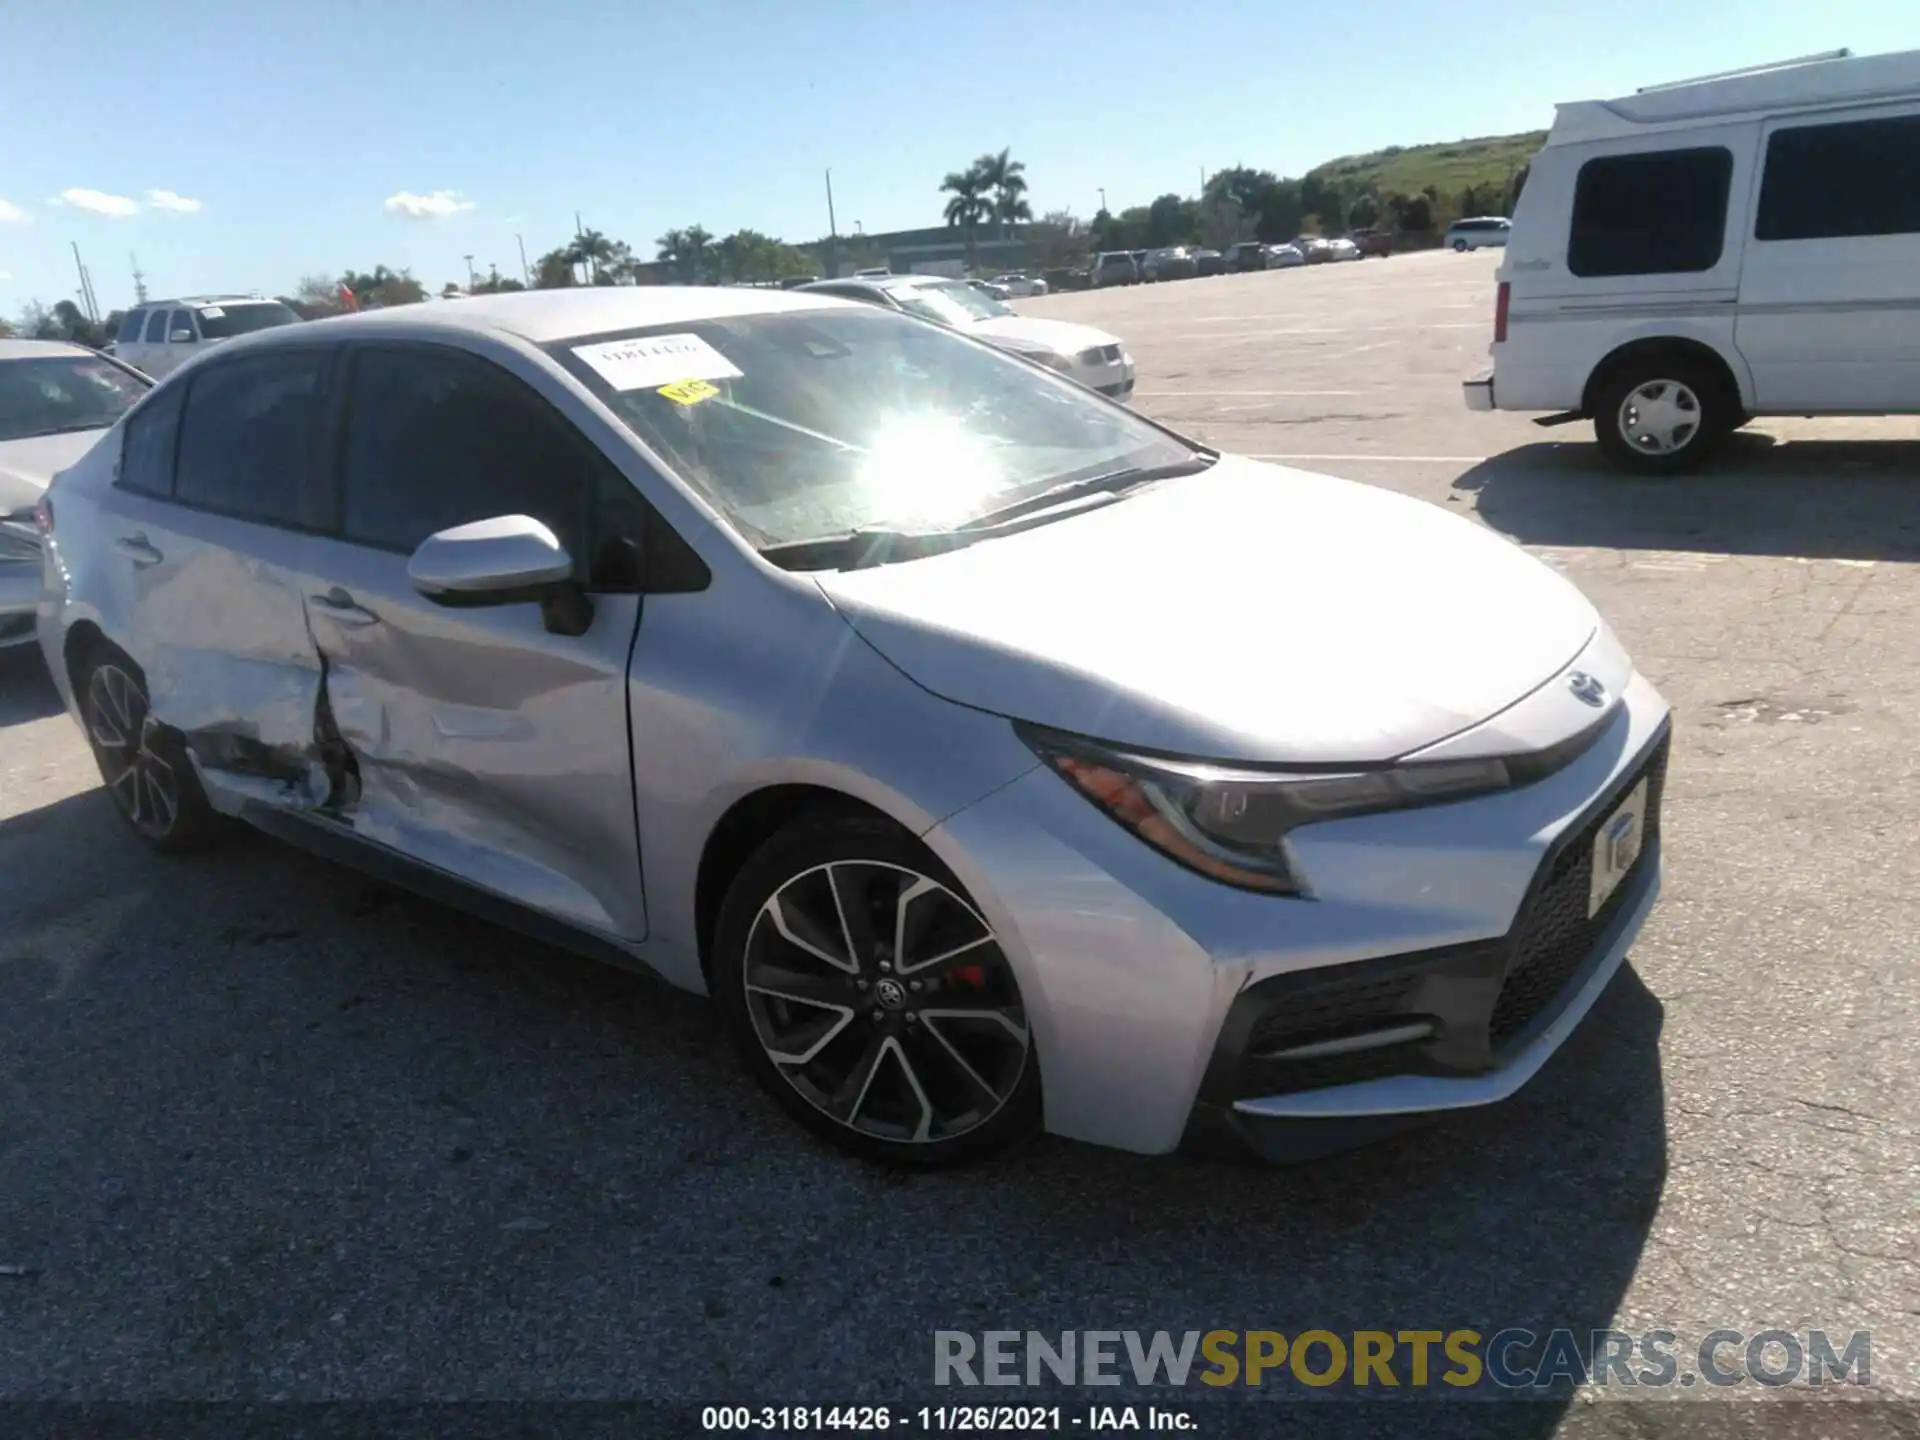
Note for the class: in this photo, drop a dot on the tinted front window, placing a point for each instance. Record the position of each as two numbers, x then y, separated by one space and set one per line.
806 425
248 438
1826 181
222 322
62 393
130 327
1660 213
146 454
436 440
157 328
180 331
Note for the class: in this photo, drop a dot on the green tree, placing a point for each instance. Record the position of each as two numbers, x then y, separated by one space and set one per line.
590 250
1171 220
691 253
495 283
969 208
1059 240
554 270
1004 181
1363 213
381 288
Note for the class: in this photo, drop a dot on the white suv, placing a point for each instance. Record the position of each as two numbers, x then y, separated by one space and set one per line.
162 335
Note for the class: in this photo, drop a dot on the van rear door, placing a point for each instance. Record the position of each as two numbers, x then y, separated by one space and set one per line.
1830 296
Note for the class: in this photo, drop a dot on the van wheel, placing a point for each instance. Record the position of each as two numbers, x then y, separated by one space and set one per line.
1662 416
1460 247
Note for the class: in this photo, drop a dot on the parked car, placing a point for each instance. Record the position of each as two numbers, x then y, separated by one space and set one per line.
719 632
1284 257
1481 233
1314 247
1094 358
1115 267
1020 286
872 272
1245 255
1680 260
1341 248
989 289
1175 262
1208 262
162 335
56 401
1374 241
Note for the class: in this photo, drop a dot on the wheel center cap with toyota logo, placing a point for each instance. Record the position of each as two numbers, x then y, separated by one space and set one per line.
890 993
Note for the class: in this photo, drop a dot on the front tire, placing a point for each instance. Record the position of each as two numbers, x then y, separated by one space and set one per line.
871 1000
1662 415
143 763
1460 247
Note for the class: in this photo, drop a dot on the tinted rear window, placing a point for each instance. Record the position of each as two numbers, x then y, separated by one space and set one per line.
247 442
222 322
1827 181
1659 213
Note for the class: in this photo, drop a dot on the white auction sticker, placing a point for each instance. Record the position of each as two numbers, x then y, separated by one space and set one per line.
651 361
211 312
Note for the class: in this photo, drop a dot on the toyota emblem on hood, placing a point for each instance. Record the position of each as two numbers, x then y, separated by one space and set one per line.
1586 689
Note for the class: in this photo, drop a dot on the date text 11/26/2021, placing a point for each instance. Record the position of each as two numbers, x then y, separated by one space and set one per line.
1036 1419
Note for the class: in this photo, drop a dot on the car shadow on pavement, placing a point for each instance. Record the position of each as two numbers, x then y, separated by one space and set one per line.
26 690
1818 499
272 1128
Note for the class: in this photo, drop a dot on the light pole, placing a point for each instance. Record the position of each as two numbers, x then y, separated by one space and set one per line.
469 260
1103 197
526 275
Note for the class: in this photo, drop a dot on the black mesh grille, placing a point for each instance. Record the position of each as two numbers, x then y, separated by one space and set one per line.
1332 1008
1555 936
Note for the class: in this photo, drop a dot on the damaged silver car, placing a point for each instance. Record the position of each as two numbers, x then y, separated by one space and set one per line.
888 688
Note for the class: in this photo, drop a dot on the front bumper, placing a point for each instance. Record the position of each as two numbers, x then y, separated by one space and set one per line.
1478 392
1133 968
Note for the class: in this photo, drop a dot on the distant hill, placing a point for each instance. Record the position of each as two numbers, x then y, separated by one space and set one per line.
1489 163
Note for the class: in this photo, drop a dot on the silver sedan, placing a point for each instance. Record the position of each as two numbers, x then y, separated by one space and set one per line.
858 674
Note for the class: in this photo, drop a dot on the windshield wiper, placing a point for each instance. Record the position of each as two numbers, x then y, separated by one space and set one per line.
872 545
1122 479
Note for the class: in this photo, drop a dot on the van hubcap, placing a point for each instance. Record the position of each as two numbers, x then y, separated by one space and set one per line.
1660 417
884 999
143 784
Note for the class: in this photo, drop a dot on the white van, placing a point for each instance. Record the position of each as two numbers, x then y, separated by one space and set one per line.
1697 254
162 335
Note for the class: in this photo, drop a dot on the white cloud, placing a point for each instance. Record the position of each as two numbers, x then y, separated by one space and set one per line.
114 206
6 274
11 214
178 204
437 205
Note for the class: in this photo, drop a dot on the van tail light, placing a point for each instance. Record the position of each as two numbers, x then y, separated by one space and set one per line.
1500 313
43 515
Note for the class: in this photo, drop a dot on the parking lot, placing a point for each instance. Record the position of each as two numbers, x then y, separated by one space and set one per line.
269 1129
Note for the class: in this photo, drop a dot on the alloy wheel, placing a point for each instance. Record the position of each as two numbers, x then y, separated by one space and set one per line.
1660 417
885 1001
143 783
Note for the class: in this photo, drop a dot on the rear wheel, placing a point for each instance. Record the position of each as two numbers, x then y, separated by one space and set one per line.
872 1000
144 765
1460 247
1662 415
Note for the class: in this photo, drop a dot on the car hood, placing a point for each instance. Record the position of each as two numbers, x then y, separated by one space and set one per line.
27 465
1248 613
1023 332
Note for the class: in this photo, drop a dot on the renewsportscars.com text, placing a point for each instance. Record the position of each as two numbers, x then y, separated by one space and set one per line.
1512 1358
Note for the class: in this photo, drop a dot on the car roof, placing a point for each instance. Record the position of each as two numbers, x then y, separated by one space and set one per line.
542 316
186 301
39 349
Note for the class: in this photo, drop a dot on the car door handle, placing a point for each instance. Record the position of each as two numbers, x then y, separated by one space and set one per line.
340 607
137 549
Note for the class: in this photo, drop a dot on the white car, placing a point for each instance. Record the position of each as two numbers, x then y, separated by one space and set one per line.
1483 232
1094 358
1021 287
1284 257
1342 248
1696 254
162 335
56 401
895 693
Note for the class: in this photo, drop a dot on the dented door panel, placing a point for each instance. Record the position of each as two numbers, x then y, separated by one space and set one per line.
482 744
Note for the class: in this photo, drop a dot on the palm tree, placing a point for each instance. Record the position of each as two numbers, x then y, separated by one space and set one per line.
1006 177
969 207
589 249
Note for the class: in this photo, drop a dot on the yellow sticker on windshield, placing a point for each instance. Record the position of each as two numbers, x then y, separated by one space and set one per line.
689 392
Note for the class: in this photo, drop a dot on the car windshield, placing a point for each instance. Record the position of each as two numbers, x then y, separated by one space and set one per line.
950 302
58 393
806 425
223 322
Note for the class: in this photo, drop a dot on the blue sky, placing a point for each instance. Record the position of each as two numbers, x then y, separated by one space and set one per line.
251 142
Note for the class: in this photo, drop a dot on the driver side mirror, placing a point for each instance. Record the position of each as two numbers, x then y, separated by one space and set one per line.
180 337
508 560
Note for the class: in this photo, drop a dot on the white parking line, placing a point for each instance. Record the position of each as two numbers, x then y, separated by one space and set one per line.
1385 459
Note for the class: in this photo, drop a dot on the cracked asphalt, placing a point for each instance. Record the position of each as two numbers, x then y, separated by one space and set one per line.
270 1130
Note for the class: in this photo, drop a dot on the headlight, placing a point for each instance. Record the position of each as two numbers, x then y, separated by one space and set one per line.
1232 824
